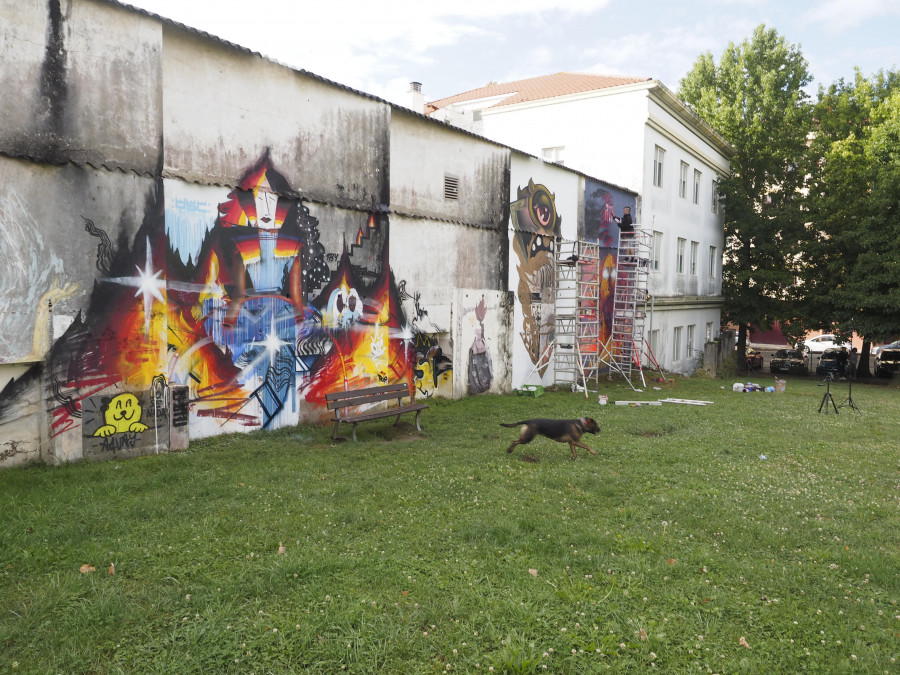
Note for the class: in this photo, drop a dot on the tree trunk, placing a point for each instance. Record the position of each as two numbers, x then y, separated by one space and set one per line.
742 348
862 368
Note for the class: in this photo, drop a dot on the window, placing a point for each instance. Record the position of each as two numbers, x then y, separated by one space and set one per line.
715 196
659 158
682 180
696 186
554 154
654 342
679 259
656 251
709 332
451 186
713 263
690 341
695 253
676 344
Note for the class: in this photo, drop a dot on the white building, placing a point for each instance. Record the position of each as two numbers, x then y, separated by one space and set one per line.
637 134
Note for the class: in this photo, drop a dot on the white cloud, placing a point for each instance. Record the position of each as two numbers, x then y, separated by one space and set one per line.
836 16
668 54
359 43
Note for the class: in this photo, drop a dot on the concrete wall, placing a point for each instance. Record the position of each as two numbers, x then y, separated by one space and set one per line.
200 241
86 80
424 153
225 107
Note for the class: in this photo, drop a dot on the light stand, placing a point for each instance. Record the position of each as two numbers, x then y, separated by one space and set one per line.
848 402
827 398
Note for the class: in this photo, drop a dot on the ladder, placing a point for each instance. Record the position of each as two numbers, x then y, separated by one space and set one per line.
578 319
625 350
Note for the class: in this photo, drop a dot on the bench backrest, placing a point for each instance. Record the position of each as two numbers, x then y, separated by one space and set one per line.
343 399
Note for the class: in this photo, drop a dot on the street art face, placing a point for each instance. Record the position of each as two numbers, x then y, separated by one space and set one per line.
122 414
536 226
230 293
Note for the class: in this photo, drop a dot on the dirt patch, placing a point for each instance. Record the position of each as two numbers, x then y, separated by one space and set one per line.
653 433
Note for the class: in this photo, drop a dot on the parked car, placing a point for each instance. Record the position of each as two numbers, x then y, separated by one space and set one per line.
877 350
789 361
833 362
820 343
887 363
754 358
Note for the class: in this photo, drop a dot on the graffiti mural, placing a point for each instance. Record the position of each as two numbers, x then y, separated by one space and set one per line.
481 369
124 425
224 311
261 324
430 341
601 206
31 278
536 227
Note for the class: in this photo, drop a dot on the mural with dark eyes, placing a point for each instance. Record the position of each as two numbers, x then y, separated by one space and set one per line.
536 228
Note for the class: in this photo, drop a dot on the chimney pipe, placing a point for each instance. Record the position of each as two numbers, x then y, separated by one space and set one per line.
416 98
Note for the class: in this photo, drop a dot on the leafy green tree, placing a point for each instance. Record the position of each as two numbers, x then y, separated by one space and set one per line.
754 97
851 270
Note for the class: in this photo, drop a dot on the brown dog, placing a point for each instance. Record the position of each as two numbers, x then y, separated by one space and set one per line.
563 431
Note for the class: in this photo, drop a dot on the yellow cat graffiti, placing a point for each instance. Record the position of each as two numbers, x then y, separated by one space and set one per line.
122 414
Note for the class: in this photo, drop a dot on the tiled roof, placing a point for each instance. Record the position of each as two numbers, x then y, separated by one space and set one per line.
537 88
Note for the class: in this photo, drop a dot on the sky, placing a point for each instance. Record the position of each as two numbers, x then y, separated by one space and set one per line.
453 47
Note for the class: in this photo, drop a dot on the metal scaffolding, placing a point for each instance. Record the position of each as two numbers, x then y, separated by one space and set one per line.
578 314
627 347
578 352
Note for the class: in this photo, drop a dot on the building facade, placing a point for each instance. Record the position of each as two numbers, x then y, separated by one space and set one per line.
634 133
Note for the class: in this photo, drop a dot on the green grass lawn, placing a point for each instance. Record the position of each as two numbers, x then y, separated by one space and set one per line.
752 535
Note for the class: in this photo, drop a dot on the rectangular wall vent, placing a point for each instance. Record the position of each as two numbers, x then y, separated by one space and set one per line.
451 186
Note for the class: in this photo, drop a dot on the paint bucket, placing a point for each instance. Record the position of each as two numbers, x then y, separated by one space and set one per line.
602 399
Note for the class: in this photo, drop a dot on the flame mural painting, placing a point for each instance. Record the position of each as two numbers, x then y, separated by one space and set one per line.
601 206
262 294
229 296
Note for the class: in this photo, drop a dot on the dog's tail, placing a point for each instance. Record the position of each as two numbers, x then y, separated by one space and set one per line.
514 424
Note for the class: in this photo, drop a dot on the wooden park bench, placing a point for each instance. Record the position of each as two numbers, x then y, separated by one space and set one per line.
342 401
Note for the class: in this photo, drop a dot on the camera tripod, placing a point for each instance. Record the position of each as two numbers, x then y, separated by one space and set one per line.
828 398
848 402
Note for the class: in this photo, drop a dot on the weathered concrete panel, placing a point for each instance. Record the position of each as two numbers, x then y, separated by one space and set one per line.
86 80
428 254
482 342
430 260
423 152
22 415
60 230
223 107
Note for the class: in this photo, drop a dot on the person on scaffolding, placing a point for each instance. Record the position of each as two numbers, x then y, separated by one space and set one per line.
626 231
626 225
